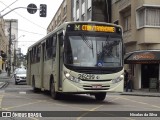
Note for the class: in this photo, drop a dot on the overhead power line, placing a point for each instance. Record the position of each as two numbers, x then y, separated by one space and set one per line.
25 30
23 17
8 5
30 32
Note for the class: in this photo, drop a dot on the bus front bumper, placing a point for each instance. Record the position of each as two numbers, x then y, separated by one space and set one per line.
88 87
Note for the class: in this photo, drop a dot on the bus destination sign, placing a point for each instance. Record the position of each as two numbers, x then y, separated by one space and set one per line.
89 27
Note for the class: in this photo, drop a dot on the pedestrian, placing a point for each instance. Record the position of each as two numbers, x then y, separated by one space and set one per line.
125 77
129 81
6 68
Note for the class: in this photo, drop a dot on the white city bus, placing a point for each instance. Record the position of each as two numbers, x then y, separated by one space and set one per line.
78 58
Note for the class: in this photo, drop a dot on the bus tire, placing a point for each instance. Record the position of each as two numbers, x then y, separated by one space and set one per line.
34 87
100 96
53 93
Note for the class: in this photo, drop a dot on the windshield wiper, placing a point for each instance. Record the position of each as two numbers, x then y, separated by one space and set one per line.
88 43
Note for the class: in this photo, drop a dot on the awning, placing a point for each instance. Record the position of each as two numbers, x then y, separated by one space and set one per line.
142 57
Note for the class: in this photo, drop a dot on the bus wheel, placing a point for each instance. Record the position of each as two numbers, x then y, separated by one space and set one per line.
54 94
100 96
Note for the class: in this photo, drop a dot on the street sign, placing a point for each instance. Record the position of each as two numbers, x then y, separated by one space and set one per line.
32 8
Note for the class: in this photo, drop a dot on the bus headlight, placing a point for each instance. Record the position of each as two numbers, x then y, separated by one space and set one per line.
118 79
69 77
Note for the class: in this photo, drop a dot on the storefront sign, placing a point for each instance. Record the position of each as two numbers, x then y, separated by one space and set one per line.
148 56
143 57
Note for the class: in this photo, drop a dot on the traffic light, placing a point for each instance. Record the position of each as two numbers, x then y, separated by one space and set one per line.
43 10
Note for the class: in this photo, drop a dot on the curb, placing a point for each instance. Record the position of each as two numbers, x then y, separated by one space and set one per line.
142 94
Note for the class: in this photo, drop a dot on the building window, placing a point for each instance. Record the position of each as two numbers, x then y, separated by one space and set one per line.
77 4
89 4
83 8
89 14
59 18
77 14
149 17
73 14
126 19
83 17
55 22
65 10
127 23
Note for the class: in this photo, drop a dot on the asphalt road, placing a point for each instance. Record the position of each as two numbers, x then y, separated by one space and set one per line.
76 107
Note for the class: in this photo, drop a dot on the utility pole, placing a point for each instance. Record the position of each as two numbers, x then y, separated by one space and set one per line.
15 50
9 51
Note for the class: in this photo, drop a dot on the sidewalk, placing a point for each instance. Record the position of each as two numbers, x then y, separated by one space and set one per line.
143 92
3 79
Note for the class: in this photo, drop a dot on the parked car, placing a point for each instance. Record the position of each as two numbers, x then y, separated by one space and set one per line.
20 75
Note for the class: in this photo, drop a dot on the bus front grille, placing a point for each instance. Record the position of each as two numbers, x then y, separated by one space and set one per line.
90 87
97 80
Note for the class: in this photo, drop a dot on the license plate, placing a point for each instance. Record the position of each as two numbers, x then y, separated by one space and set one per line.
96 86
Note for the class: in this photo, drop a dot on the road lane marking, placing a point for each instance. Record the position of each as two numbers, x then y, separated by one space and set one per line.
64 105
1 98
8 108
9 94
141 102
93 109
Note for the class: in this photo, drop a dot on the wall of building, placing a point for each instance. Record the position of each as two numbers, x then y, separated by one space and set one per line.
101 10
135 37
14 37
3 38
62 15
81 10
3 45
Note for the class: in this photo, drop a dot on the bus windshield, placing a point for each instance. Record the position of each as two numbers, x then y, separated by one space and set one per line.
86 50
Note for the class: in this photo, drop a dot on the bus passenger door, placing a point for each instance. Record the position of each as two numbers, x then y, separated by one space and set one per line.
60 67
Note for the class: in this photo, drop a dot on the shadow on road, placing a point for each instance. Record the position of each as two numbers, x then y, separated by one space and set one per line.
78 99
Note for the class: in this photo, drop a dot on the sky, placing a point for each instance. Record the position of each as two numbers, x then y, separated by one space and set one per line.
31 27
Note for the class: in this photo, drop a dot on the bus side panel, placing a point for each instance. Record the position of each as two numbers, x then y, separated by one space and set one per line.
28 69
35 71
47 74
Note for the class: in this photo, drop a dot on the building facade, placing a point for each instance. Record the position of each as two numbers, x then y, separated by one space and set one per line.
13 24
3 44
91 10
140 20
62 15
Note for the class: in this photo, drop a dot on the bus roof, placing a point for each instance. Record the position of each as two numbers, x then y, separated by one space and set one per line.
64 26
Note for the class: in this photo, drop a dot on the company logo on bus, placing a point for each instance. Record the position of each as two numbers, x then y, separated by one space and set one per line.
96 28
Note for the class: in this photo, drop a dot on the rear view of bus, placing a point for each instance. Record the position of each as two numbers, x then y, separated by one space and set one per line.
92 59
